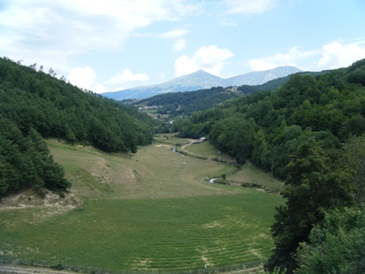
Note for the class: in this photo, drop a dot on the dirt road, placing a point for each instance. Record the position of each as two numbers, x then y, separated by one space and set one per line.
9 269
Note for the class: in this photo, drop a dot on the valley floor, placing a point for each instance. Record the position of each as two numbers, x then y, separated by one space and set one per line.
151 210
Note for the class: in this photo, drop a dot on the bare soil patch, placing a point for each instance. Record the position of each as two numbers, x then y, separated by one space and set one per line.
30 198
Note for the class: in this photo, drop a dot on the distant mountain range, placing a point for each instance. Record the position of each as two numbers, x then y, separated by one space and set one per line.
201 80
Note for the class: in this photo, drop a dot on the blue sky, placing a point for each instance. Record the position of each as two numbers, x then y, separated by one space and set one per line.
111 45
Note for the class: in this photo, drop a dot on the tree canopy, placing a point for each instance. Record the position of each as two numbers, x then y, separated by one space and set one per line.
25 161
329 107
337 245
34 99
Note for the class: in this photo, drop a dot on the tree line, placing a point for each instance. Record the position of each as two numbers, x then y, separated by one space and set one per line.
309 132
36 104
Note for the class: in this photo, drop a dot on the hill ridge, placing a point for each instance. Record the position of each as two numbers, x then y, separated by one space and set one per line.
201 80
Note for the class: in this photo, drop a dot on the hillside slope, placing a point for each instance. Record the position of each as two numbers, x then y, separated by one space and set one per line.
34 104
34 99
328 107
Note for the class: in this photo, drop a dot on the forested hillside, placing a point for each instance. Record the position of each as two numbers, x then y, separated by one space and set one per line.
34 99
267 126
178 104
35 104
310 132
183 104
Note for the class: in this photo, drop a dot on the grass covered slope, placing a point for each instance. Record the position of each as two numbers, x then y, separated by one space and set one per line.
154 172
151 210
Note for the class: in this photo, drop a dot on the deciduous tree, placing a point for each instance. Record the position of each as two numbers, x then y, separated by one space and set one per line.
316 183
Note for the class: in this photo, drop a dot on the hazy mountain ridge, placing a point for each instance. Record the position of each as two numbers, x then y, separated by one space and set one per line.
201 80
261 77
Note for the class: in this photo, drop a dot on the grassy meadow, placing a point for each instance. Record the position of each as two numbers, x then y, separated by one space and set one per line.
207 150
151 210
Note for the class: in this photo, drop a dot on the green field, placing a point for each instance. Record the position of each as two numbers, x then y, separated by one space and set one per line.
147 211
245 175
208 150
171 139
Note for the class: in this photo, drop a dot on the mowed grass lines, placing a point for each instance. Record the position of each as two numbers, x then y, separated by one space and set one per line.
150 210
138 234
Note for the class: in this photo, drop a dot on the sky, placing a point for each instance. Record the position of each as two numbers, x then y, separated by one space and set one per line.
111 45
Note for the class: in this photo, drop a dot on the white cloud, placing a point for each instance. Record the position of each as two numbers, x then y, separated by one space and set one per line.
82 77
30 28
180 44
185 65
330 56
127 76
225 22
173 34
209 59
248 6
99 88
337 55
176 34
281 59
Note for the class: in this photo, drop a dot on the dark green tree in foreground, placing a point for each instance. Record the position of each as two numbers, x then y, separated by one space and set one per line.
25 162
316 183
337 245
354 157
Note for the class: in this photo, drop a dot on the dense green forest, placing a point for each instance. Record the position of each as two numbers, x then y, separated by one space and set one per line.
34 103
34 99
267 126
184 103
309 132
25 161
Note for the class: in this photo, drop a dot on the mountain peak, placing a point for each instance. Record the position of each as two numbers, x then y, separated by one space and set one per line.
201 79
261 77
198 73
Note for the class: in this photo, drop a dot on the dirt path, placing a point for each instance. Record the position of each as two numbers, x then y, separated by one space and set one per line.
9 269
191 142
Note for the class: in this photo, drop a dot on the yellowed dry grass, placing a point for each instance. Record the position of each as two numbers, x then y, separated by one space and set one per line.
153 172
252 175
